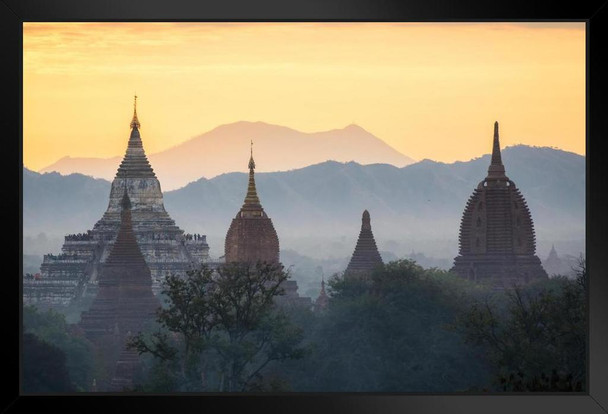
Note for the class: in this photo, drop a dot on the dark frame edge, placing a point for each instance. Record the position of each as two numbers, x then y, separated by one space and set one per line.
595 401
597 223
10 122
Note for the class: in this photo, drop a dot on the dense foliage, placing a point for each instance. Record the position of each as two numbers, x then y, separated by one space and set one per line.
402 328
220 329
388 333
50 329
44 367
537 341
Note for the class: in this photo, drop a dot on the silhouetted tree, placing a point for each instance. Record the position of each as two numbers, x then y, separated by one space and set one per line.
51 327
539 342
387 333
223 326
44 367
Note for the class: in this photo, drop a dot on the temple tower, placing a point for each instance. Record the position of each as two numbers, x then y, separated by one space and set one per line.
165 248
251 236
124 299
497 240
366 256
124 302
554 265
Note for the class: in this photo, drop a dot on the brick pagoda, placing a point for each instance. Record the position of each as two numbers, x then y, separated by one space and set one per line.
366 256
497 240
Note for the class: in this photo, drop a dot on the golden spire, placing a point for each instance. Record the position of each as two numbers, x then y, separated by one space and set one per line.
251 161
135 121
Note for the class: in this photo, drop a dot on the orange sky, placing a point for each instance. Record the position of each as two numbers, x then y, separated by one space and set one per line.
429 90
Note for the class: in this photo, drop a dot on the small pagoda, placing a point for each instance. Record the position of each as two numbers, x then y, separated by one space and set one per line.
366 257
497 240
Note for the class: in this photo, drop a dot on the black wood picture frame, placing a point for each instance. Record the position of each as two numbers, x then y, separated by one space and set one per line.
13 13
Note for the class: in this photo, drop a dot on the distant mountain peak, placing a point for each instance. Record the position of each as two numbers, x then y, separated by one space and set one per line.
226 149
354 126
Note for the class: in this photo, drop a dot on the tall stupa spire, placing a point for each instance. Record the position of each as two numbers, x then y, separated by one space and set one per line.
496 169
252 202
135 121
251 236
135 163
251 161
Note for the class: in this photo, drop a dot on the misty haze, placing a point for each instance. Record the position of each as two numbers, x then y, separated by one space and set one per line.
401 210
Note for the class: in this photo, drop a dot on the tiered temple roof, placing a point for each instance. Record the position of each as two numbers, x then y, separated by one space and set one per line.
137 176
366 256
135 163
497 240
124 298
165 247
251 236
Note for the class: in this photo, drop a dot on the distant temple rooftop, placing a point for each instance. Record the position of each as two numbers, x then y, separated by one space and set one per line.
497 240
366 256
322 301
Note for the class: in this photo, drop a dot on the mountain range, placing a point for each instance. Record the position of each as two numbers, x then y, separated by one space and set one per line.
412 206
226 148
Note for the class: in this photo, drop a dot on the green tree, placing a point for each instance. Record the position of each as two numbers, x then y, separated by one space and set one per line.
223 327
44 367
538 343
388 333
52 328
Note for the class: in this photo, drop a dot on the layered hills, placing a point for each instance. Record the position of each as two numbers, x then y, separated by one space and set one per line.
415 205
223 149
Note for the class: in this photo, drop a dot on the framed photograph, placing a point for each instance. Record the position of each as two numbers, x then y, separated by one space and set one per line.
305 207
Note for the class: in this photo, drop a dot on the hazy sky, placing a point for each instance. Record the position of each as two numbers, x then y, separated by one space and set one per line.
429 90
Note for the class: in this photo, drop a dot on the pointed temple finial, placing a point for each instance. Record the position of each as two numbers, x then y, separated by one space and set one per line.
496 169
135 122
365 221
251 161
252 202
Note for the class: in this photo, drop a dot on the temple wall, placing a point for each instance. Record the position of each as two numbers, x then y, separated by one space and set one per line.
250 240
501 271
144 193
67 276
